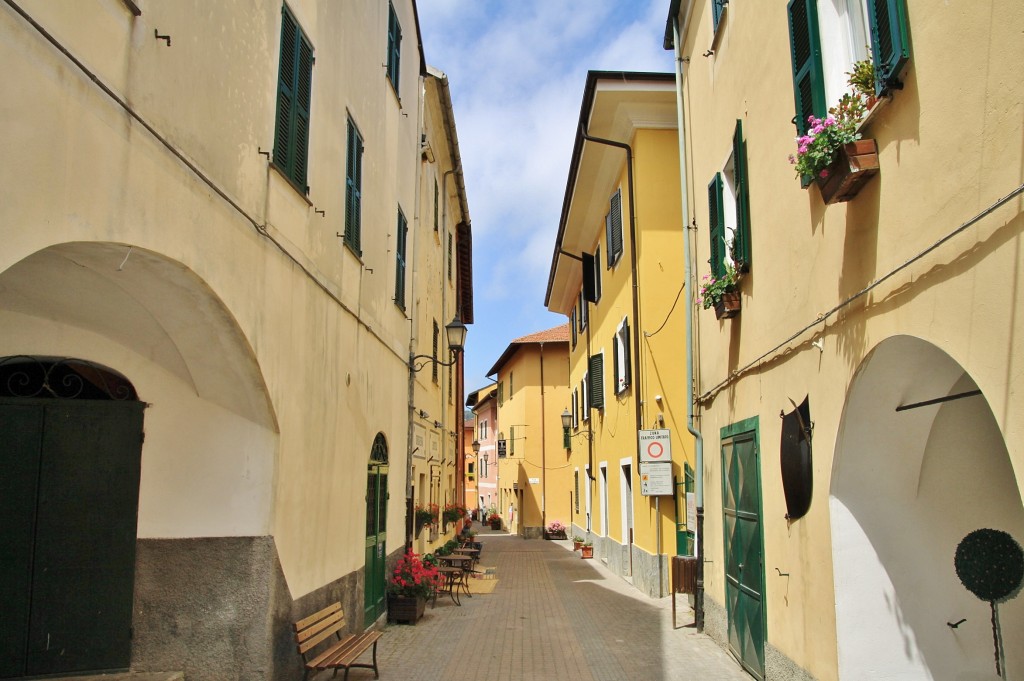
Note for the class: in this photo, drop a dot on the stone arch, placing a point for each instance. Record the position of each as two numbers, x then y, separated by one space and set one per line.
906 487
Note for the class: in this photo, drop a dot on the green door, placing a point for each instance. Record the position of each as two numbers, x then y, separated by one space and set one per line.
744 570
376 531
69 500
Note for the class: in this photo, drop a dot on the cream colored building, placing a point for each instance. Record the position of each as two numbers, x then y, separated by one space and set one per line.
895 314
203 214
533 469
615 273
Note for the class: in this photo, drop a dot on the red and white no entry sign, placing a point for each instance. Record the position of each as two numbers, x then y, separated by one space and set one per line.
655 450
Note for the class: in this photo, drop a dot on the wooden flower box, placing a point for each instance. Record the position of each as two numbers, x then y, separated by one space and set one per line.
855 164
406 609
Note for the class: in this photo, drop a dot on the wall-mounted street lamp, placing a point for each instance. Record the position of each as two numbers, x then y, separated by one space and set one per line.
455 330
566 425
476 446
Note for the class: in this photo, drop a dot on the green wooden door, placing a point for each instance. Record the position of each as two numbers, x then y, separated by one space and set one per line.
744 570
67 544
375 569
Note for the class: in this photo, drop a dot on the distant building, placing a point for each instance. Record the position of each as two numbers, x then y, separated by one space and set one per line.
532 389
881 301
484 404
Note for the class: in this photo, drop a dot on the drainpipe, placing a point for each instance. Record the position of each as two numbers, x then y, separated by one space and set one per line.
637 402
698 438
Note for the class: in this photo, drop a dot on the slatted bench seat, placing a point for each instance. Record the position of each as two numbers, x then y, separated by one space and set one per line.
338 653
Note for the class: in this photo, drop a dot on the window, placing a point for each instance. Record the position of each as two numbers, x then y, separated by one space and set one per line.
511 385
572 326
592 276
596 373
613 229
501 393
437 335
575 408
294 87
354 189
511 440
449 256
469 470
620 355
402 231
394 46
435 205
576 484
827 36
729 210
585 396
717 10
482 435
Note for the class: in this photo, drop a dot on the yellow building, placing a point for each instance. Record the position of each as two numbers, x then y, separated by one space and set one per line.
889 313
204 227
533 470
615 274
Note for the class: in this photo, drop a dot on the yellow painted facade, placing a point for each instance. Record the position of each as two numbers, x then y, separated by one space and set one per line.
533 476
632 532
149 226
904 294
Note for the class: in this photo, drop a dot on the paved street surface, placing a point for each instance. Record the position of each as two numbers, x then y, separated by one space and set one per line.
552 616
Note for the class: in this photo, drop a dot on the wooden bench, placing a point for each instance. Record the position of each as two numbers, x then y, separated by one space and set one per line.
338 654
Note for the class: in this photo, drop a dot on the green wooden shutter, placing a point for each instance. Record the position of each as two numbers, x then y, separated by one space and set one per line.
589 284
572 326
805 49
614 227
449 256
739 162
353 189
283 151
615 363
717 8
435 204
403 229
628 367
716 223
511 438
597 381
394 46
597 274
890 44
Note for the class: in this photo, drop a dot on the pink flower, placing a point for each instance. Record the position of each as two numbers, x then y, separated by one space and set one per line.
792 159
823 173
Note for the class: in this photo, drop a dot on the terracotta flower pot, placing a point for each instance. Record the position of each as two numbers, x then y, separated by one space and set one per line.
854 165
577 545
586 552
728 305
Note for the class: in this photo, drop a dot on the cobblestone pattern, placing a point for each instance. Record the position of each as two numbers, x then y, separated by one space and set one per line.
553 616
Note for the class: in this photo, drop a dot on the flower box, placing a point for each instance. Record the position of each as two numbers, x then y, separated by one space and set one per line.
855 164
728 305
560 534
406 609
586 551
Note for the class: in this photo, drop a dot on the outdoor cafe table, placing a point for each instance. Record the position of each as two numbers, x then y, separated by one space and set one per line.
453 577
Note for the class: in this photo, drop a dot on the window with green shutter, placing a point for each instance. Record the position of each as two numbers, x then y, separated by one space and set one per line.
717 10
716 224
353 189
597 381
620 357
437 337
294 88
613 228
890 42
511 440
449 256
435 204
394 46
805 50
402 235
742 254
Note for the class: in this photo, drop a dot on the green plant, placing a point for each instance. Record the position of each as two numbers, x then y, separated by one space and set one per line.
826 136
862 77
712 288
577 539
425 515
453 512
588 543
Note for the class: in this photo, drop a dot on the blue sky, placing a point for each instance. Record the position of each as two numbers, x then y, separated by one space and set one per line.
516 69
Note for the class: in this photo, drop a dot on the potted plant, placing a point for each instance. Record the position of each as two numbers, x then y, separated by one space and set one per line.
494 520
409 587
577 542
862 79
424 516
587 550
832 153
555 530
721 292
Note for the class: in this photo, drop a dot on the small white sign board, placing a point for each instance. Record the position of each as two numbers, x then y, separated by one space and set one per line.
691 511
655 445
534 481
655 479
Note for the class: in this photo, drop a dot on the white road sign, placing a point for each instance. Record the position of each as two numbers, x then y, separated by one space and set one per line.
655 479
655 445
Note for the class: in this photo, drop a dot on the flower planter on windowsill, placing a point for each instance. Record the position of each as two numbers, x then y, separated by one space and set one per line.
728 305
855 164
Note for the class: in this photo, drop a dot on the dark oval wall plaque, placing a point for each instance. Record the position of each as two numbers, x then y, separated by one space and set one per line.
795 456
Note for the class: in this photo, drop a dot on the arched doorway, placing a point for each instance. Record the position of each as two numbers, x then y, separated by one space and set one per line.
70 451
376 530
920 462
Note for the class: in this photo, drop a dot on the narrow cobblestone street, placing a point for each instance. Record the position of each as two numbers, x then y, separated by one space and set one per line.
548 618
